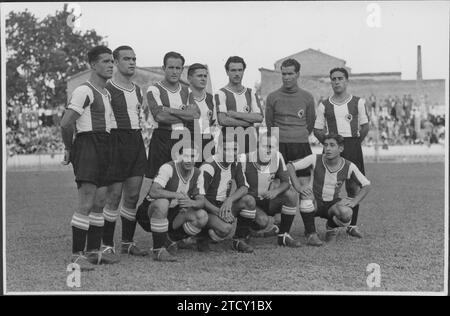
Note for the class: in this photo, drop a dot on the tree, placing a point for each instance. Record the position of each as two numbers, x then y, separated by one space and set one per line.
41 55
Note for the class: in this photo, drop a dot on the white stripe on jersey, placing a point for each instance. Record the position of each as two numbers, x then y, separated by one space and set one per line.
225 177
358 174
204 117
77 103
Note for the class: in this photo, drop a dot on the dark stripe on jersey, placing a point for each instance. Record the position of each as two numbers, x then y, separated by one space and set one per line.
354 178
210 104
97 112
341 177
164 96
353 110
319 178
119 106
248 98
330 117
139 94
86 102
230 101
184 93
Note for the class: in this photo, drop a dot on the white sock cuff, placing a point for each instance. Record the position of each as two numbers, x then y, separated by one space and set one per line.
159 225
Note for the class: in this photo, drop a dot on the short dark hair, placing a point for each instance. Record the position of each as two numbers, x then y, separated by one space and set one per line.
118 49
95 52
291 62
173 55
340 69
192 68
235 59
338 138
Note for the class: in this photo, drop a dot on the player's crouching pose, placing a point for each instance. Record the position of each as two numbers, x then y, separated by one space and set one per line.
223 207
175 213
261 168
330 172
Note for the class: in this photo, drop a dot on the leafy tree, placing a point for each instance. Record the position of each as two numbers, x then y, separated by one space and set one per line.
41 55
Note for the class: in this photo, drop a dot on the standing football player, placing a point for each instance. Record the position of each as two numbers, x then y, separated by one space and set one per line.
89 111
237 105
128 162
167 101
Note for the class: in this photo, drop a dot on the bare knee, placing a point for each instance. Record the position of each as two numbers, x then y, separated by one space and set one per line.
201 218
130 200
261 219
345 214
159 208
249 202
291 197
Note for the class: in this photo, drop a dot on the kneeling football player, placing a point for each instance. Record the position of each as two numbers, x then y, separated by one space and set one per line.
174 214
262 168
217 177
330 172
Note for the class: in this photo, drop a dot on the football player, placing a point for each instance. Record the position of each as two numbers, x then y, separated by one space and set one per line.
330 171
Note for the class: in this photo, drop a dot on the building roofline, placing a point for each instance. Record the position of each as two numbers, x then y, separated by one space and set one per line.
310 49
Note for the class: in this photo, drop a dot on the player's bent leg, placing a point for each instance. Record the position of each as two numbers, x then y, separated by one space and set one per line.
352 190
216 229
338 216
131 190
188 223
288 210
80 224
111 213
159 226
245 211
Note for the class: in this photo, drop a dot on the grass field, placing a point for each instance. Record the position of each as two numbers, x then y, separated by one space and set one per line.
402 219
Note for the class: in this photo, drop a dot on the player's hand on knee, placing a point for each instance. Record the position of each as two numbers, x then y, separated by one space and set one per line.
306 193
349 202
270 195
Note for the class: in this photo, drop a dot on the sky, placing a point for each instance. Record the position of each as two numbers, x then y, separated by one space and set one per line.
380 39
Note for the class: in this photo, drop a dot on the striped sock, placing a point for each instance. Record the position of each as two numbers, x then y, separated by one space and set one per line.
244 221
287 217
80 227
159 231
110 225
128 217
95 232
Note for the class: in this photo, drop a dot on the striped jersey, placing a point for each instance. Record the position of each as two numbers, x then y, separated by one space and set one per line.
326 183
215 180
126 106
170 178
343 119
207 111
159 96
94 108
259 177
245 101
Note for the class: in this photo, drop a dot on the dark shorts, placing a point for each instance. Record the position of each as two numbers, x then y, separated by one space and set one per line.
295 151
270 207
205 156
353 152
322 207
128 155
159 151
91 157
171 214
249 138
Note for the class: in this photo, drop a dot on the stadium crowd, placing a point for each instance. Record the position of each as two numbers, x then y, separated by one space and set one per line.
400 121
